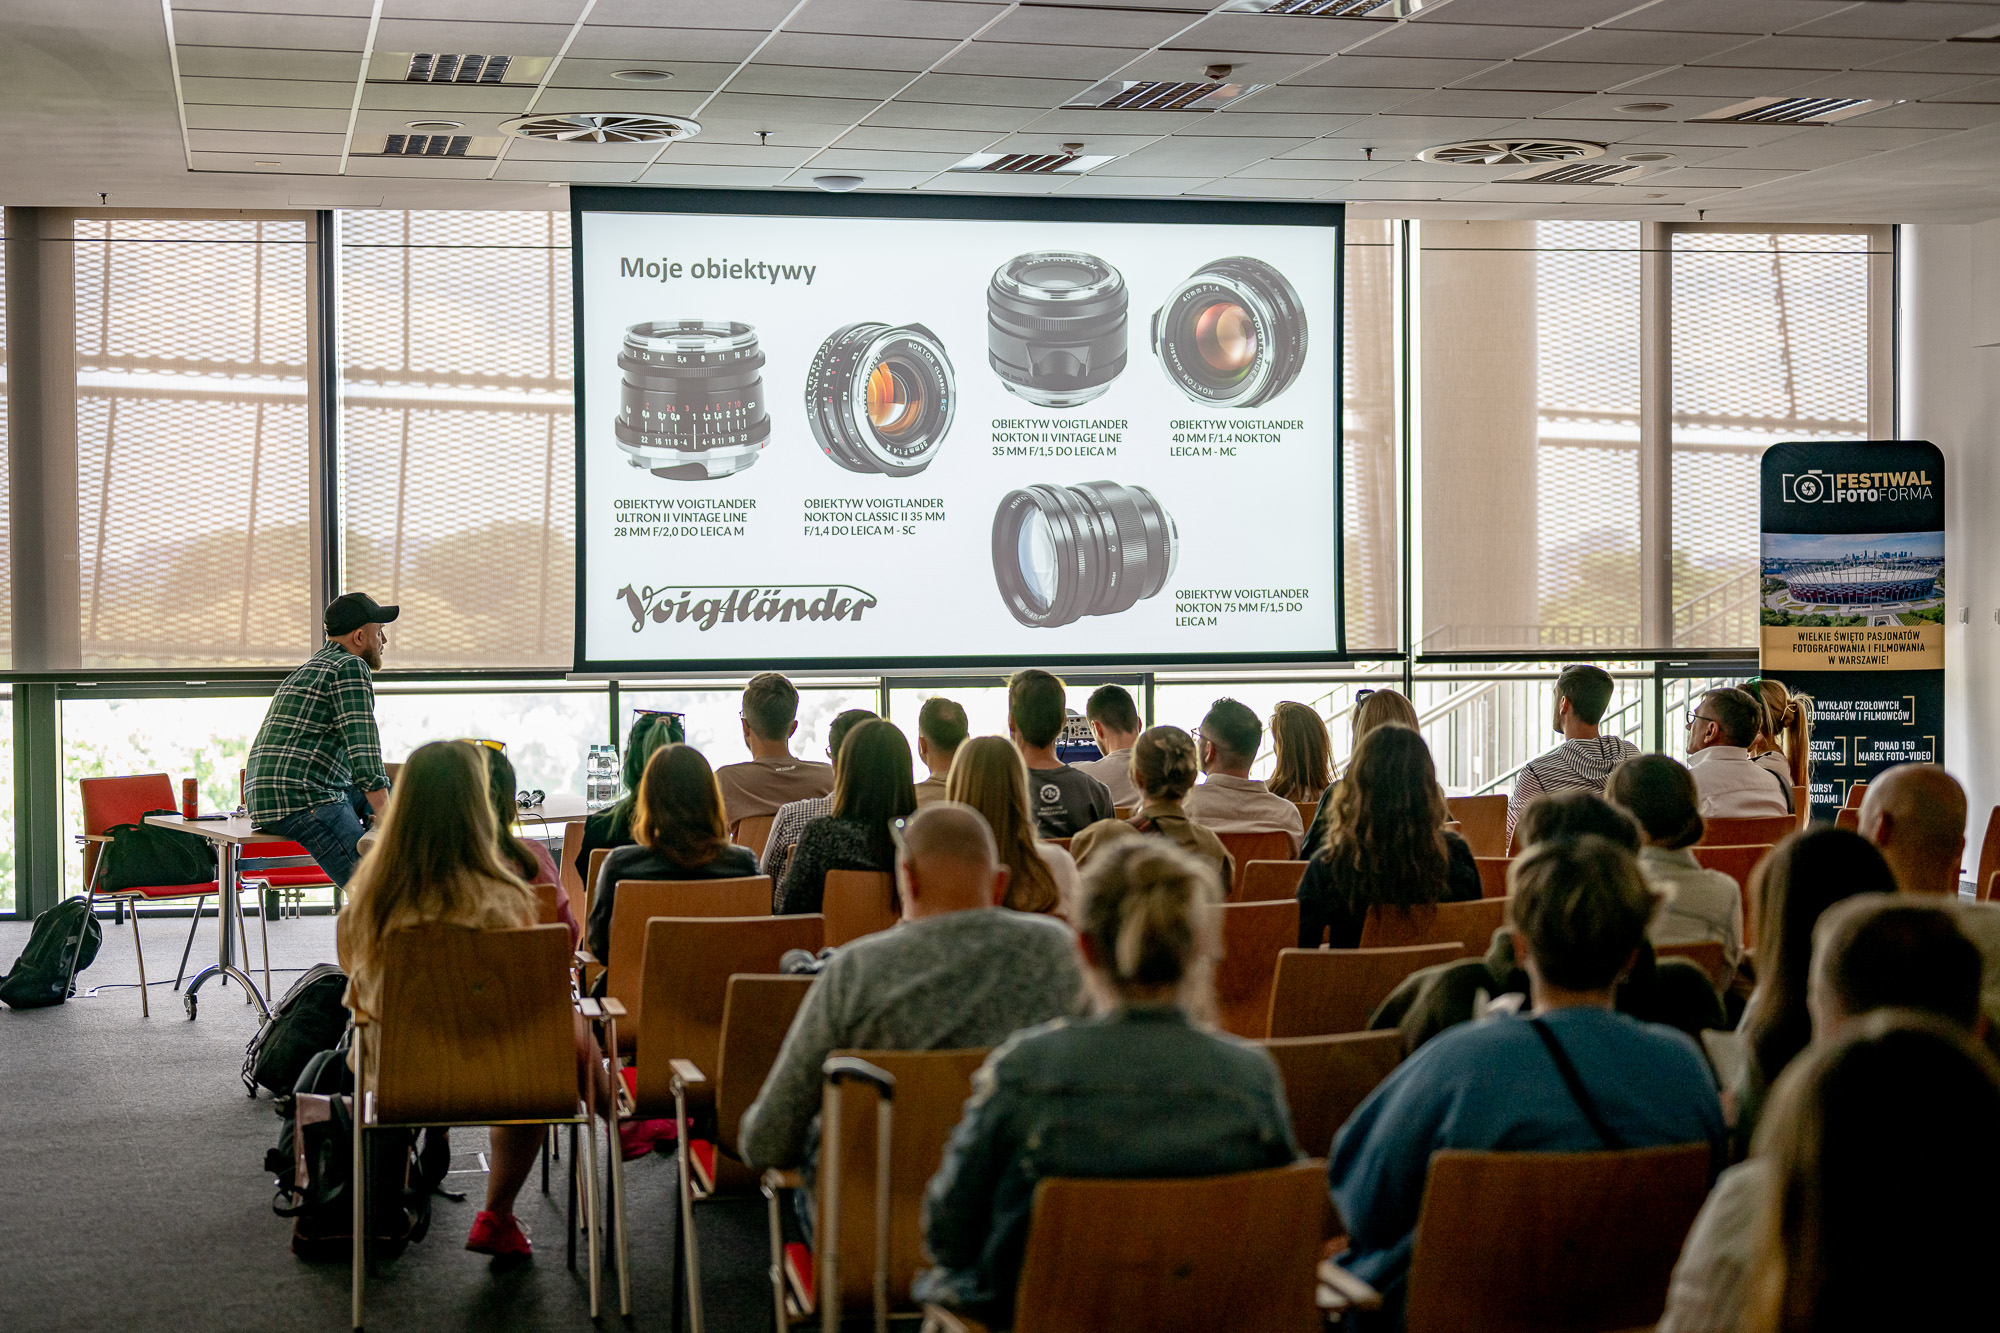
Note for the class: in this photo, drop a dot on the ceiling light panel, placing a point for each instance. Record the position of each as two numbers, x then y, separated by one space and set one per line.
459 67
1794 110
1058 163
1160 95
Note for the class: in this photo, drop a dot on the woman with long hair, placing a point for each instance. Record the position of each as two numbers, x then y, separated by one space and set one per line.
1386 843
871 786
1304 753
1165 767
988 775
678 823
437 861
612 827
1140 1090
527 858
1372 709
1784 730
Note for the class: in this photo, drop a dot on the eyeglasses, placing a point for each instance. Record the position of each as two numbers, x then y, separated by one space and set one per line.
1695 716
528 800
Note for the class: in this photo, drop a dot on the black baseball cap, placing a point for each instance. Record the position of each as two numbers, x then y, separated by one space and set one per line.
351 610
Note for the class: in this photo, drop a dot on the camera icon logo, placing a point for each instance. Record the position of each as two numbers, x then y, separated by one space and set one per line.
1814 487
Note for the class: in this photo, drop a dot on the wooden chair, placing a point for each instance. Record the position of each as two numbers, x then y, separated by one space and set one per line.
1482 822
857 903
1708 955
1243 848
572 843
1308 811
868 1243
1854 791
1802 803
477 1027
1767 829
1988 886
1265 881
1169 1256
547 907
753 831
1124 811
596 867
1989 856
1735 860
1469 925
1493 875
1551 1242
1321 991
125 800
1849 818
1326 1078
1253 935
640 900
1060 842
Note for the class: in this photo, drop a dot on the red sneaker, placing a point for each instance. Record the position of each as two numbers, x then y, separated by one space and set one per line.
636 1138
501 1237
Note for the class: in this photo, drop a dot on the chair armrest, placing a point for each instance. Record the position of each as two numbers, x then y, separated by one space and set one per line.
92 837
612 1006
686 1071
783 1179
590 1008
938 1319
582 958
1341 1290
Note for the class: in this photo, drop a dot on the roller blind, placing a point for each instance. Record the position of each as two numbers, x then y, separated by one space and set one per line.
1370 439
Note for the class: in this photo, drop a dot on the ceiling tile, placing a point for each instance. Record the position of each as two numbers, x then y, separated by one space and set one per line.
1238 188
1182 156
1644 190
1421 131
429 168
1085 26
1333 101
580 173
1932 21
688 13
1605 107
1988 91
603 41
622 97
670 172
530 150
1517 192
961 142
1033 60
1126 187
1404 72
989 90
938 115
904 18
250 62
1251 123
514 39
398 122
1305 169
690 76
1079 124
310 120
1479 102
267 92
1393 190
1467 41
348 8
1706 133
1554 75
819 81
1695 177
1812 53
274 143
1538 13
816 110
1615 47
870 180
1277 32
300 32
967 183
1950 58
1176 63
1718 81
758 133
442 97
1885 84
1744 16
1440 173
296 165
836 50
508 11
837 158
695 152
1807 151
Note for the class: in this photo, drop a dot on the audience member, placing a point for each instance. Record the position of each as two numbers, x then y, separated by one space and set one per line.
956 974
941 729
677 822
989 777
1720 728
793 816
1574 1077
437 862
1304 753
1698 904
1585 758
612 826
1164 767
871 786
526 857
1064 799
1784 731
1114 721
1803 876
1141 1090
1229 800
1372 709
1386 843
771 777
1870 953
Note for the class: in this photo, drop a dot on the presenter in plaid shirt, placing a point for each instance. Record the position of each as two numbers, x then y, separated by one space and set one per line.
317 761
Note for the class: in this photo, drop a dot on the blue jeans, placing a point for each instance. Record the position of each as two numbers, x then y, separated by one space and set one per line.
331 833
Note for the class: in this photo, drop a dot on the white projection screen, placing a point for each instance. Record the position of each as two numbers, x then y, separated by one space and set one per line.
882 432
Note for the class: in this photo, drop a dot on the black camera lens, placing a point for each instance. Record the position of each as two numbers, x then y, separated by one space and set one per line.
881 398
1055 326
1233 334
1064 552
693 398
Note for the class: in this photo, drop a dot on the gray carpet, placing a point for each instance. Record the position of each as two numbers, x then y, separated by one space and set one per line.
133 1195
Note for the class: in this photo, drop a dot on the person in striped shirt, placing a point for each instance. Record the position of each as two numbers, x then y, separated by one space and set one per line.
1584 759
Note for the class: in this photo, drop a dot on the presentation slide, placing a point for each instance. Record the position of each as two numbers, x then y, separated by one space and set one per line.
886 440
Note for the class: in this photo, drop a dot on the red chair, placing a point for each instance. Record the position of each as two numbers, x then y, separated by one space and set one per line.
111 801
268 867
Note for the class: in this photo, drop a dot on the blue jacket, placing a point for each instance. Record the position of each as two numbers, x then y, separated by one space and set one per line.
1138 1093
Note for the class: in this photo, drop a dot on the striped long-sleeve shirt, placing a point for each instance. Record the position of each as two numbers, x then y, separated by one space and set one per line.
1573 765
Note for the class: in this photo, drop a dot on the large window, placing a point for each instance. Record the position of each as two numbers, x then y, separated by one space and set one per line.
1371 388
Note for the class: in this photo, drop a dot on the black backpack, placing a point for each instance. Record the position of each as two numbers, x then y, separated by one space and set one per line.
63 942
141 855
310 1019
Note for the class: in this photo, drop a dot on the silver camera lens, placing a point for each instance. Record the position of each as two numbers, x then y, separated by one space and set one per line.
1232 334
692 401
881 399
1055 322
1064 552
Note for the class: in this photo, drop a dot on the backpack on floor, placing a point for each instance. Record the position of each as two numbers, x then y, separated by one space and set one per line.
63 942
309 1020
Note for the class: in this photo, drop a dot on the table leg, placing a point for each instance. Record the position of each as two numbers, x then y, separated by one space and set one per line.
228 905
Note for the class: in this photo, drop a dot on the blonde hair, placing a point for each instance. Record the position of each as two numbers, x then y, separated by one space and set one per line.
1153 915
1305 753
437 857
987 774
1784 721
1164 764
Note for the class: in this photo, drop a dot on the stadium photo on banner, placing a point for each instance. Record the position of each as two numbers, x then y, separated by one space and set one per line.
1883 578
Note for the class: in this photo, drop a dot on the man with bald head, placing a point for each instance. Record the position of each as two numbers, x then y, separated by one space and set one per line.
958 972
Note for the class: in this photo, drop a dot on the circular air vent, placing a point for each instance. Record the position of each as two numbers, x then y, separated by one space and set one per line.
1510 152
604 127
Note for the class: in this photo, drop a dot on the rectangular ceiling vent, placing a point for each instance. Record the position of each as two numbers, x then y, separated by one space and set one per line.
1329 9
457 69
457 147
1032 164
1581 173
431 67
1795 110
1152 95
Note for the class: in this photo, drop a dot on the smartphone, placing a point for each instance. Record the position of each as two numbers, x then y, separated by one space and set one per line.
196 819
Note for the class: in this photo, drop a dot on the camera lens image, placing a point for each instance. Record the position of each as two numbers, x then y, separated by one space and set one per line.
881 398
1233 334
692 401
1055 326
1064 552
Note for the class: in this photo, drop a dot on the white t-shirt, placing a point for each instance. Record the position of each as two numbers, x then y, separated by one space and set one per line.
1729 785
1062 867
1114 770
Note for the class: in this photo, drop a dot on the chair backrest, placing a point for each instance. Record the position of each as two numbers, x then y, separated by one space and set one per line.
1321 991
1735 860
1482 822
1551 1242
1059 842
1708 955
1493 875
1849 818
1989 855
685 985
857 903
1243 848
1308 811
931 1091
1253 934
757 1012
1326 1078
1987 886
1124 811
123 800
475 1026
1802 803
1166 1256
572 843
547 908
753 831
1263 881
1854 792
1469 924
597 857
640 900
1742 832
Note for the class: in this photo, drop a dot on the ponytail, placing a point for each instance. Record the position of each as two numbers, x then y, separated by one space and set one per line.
1150 912
1787 720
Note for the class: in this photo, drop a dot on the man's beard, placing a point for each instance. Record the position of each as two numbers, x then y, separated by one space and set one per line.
372 655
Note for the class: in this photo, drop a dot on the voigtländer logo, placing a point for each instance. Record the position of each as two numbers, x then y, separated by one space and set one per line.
706 607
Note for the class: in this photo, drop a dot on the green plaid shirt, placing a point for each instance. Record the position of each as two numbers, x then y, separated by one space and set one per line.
318 740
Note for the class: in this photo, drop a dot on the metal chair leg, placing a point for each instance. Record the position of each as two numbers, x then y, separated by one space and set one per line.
773 1199
264 934
574 1185
193 925
690 1242
243 942
357 1182
618 1208
145 1008
590 1214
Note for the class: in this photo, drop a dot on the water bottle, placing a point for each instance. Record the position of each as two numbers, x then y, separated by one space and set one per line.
593 778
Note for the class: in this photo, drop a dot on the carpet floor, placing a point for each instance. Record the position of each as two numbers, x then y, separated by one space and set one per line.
133 1194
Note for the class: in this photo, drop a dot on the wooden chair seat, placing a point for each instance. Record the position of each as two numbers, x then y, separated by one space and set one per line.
1327 1078
1482 822
857 903
1243 848
1469 924
1322 991
1266 881
1253 935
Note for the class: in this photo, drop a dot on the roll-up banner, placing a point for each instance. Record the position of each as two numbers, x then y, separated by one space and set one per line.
1852 601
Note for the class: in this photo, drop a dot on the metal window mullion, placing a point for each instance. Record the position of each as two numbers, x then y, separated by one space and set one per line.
1656 452
1405 306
